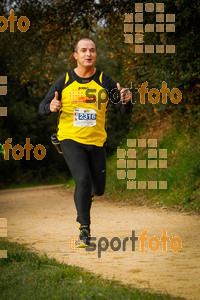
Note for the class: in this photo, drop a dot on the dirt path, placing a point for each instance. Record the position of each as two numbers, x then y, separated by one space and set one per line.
44 217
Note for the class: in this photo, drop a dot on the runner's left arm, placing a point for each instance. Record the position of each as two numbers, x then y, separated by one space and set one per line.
117 98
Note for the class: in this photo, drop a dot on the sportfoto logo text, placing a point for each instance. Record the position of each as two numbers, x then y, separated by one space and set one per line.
153 95
23 23
117 244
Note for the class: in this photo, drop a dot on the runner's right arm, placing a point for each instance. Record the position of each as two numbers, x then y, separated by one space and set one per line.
57 86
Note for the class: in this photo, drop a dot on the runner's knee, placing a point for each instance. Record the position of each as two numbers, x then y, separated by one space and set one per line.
84 183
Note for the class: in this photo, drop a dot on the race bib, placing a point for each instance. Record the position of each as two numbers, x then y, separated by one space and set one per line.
84 117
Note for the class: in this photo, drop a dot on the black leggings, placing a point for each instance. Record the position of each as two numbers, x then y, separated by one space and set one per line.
87 164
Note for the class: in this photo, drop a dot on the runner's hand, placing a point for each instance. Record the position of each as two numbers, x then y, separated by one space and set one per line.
55 104
125 94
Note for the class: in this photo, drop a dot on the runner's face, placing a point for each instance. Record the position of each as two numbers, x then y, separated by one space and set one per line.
86 54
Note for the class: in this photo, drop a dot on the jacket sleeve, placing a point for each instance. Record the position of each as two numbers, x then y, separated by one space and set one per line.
114 95
57 86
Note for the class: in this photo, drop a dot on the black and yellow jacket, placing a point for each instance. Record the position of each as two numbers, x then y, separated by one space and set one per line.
84 101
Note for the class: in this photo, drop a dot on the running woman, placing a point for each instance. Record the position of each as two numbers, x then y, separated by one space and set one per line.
81 96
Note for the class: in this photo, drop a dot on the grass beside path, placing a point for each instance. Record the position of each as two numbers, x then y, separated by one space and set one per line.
26 275
179 135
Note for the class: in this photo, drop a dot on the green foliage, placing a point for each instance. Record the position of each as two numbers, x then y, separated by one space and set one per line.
181 139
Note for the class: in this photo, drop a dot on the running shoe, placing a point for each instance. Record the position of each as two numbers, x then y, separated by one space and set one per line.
84 236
